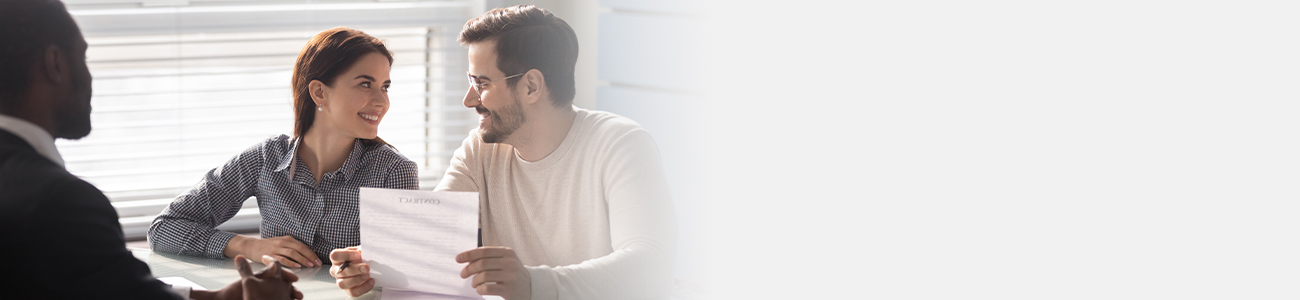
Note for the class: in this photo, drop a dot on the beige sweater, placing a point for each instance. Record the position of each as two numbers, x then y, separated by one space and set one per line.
592 220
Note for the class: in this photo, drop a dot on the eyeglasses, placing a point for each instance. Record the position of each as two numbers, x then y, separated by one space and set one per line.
481 83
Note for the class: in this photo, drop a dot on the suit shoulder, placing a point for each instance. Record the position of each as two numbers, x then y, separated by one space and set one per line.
31 182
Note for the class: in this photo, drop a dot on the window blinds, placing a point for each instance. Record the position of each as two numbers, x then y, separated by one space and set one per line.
175 99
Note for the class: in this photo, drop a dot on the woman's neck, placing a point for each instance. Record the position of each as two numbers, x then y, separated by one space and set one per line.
323 152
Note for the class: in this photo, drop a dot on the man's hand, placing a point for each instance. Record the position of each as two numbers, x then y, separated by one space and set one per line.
271 283
284 249
497 271
355 279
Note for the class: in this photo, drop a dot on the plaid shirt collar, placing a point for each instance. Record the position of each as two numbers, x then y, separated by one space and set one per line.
349 166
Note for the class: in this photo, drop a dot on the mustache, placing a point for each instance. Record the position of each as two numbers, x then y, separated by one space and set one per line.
480 109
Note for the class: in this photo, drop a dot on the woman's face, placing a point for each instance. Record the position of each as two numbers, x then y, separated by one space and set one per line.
357 101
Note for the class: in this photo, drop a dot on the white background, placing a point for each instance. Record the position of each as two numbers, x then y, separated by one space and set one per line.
1005 149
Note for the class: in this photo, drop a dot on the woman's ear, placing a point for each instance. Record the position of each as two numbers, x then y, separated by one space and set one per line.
318 91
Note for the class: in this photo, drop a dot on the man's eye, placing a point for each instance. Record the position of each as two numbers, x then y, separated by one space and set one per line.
385 88
365 84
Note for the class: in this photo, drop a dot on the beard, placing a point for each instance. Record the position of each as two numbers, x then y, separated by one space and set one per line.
502 122
74 116
74 124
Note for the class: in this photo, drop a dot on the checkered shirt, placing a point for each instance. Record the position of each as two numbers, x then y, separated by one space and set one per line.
323 216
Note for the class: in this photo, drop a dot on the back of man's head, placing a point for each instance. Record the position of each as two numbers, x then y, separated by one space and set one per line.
527 38
27 27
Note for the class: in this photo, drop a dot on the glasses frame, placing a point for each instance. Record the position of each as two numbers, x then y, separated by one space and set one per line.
478 85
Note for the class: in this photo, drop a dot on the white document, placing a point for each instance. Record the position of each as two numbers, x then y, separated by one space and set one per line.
410 239
181 281
395 294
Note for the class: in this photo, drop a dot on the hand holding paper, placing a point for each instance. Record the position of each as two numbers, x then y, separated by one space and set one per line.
497 271
412 238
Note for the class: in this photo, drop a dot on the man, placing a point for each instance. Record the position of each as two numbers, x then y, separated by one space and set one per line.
573 203
62 239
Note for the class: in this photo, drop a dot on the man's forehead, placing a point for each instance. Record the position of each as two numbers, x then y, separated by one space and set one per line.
482 58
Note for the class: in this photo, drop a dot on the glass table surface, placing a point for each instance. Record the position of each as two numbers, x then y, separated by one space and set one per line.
211 274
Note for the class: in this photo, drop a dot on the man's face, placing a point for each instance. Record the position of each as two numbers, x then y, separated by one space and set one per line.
500 112
72 112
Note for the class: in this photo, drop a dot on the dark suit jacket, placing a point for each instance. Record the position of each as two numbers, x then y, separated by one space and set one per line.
60 237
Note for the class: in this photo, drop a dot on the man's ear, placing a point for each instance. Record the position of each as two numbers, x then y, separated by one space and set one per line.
55 64
316 89
533 86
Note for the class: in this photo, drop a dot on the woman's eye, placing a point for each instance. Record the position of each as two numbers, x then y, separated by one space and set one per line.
365 84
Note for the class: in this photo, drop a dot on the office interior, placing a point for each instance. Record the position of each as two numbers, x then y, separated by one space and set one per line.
181 86
816 149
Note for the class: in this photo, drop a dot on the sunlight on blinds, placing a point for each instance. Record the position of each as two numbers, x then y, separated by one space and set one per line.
168 108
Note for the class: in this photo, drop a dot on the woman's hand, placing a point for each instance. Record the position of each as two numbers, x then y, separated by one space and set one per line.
283 249
355 279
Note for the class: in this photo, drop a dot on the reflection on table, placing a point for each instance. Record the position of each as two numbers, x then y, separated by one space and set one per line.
211 274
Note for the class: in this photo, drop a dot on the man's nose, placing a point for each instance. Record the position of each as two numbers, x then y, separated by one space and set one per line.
471 98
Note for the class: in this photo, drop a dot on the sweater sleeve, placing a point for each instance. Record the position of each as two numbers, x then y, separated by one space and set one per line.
188 225
643 229
462 168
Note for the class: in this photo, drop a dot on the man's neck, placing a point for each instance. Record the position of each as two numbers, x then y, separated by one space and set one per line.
35 136
544 132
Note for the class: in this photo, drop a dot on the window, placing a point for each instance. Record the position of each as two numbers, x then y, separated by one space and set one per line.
181 88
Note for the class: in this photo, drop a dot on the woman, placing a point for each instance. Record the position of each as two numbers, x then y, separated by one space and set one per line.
306 185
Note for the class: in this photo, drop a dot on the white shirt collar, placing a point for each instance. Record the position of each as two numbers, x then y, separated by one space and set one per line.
34 135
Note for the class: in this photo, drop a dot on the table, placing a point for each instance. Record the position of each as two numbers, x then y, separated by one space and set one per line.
315 283
212 274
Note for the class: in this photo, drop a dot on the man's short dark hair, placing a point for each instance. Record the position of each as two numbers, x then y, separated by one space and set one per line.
528 38
26 28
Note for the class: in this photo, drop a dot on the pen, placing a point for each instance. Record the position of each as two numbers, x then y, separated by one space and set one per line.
344 265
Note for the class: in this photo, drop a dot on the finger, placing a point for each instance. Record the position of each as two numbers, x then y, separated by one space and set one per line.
362 289
352 282
484 252
268 260
492 289
296 259
352 270
338 256
297 295
286 261
241 265
271 271
303 251
300 252
479 266
490 277
289 276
